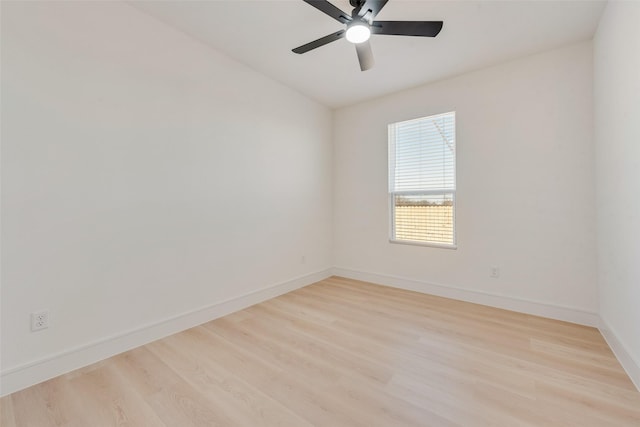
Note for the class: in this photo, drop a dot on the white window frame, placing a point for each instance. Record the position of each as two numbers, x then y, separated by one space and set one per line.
438 192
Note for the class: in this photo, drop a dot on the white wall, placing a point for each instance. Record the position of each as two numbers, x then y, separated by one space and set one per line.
525 196
144 176
617 140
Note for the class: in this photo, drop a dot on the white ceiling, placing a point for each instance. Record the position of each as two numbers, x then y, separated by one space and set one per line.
476 34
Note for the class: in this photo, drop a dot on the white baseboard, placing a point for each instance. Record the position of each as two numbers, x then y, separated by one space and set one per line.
25 375
34 372
537 308
630 365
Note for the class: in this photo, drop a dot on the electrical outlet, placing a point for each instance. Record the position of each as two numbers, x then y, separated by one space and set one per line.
303 259
39 320
494 272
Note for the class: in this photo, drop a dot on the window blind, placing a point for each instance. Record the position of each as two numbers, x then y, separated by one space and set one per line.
422 179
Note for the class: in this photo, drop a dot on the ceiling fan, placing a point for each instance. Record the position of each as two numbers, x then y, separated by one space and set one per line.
360 25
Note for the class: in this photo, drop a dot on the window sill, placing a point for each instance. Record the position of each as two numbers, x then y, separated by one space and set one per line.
430 245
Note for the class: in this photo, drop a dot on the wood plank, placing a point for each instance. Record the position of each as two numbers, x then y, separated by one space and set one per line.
343 352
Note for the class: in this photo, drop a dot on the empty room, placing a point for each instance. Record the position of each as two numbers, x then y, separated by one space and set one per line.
307 213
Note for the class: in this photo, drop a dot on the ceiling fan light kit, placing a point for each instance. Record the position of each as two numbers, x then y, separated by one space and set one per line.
360 25
358 33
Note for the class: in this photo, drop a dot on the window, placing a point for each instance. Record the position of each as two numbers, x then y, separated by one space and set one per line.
422 180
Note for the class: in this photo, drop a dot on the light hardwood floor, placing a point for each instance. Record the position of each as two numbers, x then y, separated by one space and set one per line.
348 353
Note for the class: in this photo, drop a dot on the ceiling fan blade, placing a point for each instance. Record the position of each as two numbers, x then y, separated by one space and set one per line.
365 55
329 9
407 28
374 6
320 42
